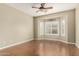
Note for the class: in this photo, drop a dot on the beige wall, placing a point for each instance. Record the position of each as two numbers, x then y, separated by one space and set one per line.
15 26
71 23
71 26
77 25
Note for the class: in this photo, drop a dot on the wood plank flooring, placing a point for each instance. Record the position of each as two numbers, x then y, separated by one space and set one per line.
41 48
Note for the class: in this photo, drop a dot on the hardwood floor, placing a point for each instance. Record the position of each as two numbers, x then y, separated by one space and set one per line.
55 48
25 49
41 48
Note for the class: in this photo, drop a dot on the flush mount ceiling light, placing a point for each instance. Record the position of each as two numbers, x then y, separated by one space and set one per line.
42 8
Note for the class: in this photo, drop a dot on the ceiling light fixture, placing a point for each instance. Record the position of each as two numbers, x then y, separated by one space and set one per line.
42 8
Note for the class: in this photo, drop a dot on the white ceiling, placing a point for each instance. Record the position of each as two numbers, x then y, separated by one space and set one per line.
57 7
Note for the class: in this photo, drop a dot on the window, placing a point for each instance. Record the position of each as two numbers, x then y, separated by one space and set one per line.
52 27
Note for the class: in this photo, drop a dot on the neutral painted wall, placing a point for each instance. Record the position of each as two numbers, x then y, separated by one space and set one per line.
71 23
15 26
71 26
77 25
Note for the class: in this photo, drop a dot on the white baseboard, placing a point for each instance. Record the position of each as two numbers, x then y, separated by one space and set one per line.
15 44
66 42
59 41
31 40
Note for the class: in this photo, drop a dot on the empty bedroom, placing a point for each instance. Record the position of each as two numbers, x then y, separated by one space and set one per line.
39 29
